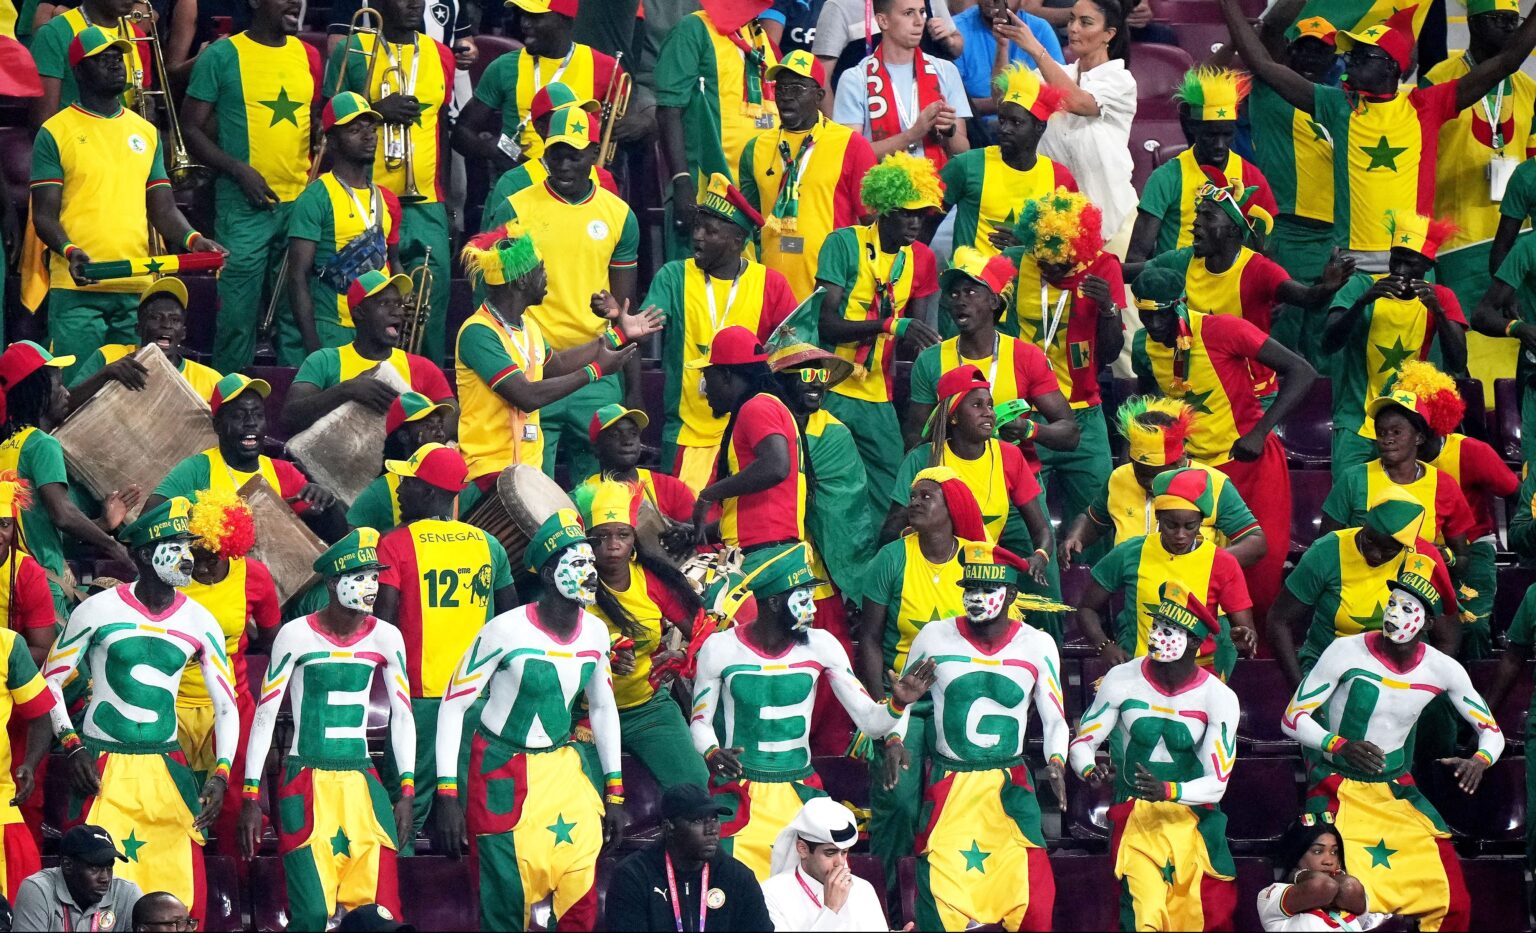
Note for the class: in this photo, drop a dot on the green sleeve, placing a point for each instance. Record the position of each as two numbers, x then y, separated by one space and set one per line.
93 364
1520 194
499 83
1232 513
901 489
1141 363
882 579
1161 191
185 478
1522 526
310 215
1317 569
1513 271
506 186
1109 572
321 368
957 173
1174 260
496 213
681 62
46 164
1343 499
666 294
372 508
838 261
212 67
1357 285
157 167
21 669
627 253
1331 110
482 352
925 377
42 461
501 567
50 48
745 174
1522 631
353 79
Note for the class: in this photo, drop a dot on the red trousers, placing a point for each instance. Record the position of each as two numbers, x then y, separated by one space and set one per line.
831 729
1265 485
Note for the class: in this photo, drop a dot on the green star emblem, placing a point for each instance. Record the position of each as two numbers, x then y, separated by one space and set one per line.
1383 154
1381 856
917 624
283 108
1167 872
562 830
1393 357
1318 133
154 265
1221 111
1404 238
975 858
1371 622
1373 32
131 846
1196 400
340 844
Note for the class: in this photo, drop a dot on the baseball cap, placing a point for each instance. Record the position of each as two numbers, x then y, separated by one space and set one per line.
609 415
170 519
372 282
802 63
434 464
563 7
689 802
371 917
233 386
359 550
90 844
572 126
557 95
346 107
996 273
733 346
410 406
23 358
92 41
168 285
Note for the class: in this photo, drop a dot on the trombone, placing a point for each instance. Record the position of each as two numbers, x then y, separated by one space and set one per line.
615 105
184 173
355 27
414 329
398 147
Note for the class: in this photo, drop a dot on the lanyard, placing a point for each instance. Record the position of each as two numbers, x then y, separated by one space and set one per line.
368 214
559 72
908 113
524 346
389 53
1052 321
794 166
807 889
997 347
1496 130
677 908
730 298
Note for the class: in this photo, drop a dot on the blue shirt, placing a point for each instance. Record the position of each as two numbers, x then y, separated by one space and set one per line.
799 20
975 61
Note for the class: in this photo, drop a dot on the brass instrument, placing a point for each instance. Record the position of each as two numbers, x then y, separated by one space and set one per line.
414 329
398 148
184 173
615 105
354 28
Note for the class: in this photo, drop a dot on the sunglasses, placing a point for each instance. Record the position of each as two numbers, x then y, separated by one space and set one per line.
815 375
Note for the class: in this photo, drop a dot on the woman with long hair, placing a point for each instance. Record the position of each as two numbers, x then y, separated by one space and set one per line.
1313 890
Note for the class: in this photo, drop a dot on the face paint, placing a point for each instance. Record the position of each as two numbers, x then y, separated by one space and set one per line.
173 563
802 605
576 574
356 591
984 605
1167 643
1403 618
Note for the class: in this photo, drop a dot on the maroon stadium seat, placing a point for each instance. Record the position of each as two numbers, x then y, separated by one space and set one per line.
1153 141
870 869
1308 490
1199 39
14 110
1262 800
1308 431
653 387
1158 70
1263 691
1475 422
1511 713
642 803
224 901
1494 817
435 893
461 304
280 378
202 313
491 48
1253 876
1506 404
1513 582
16 164
1187 11
319 40
1501 884
269 899
1087 894
845 779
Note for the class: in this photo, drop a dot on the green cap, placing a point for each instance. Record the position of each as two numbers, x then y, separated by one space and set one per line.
169 519
92 41
1157 289
235 385
559 531
357 551
1184 489
1178 606
1415 579
1397 515
790 569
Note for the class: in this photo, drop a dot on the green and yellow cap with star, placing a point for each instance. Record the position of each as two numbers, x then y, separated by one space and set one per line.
607 502
1187 489
1396 514
559 531
170 519
790 569
572 126
1478 7
1416 579
359 550
1396 36
1178 606
1313 27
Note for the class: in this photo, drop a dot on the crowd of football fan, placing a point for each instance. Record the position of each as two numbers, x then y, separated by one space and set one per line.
610 457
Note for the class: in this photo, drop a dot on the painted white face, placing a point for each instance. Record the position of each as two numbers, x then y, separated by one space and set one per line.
576 574
1403 618
984 604
173 562
802 605
357 591
1167 643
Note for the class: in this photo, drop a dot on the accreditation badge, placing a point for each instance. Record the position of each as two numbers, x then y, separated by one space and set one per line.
792 244
764 122
715 898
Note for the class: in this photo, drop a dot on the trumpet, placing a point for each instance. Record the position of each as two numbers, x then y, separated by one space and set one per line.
184 173
398 148
414 329
615 105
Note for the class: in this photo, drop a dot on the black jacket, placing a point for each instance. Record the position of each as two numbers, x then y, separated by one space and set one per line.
638 897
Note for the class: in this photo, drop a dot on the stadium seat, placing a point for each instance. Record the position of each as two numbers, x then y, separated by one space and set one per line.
318 39
1511 713
1187 11
1501 881
461 304
1513 582
1475 422
436 893
280 378
14 110
1092 671
1253 876
653 387
16 163
491 48
870 869
1150 136
203 311
1493 819
1158 69
223 897
269 898
1200 39
1262 800
1087 894
642 803
1309 488
1506 405
1263 691
1088 805
1308 432
845 779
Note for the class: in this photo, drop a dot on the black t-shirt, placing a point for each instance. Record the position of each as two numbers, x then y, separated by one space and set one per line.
799 18
638 897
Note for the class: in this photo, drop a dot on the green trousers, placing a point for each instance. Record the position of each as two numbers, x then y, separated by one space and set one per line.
877 434
424 226
1350 449
1480 576
424 712
1528 423
1082 472
257 241
656 733
893 813
80 322
571 417
1302 248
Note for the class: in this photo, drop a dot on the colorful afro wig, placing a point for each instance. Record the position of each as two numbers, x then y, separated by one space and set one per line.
15 494
902 181
1063 228
500 256
1155 428
222 523
1422 234
1018 84
1440 402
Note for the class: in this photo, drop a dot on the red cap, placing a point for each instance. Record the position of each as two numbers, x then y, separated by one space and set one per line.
733 346
959 382
435 465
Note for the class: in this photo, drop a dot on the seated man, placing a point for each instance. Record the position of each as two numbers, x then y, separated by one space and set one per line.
615 435
329 376
412 422
163 322
812 886
81 893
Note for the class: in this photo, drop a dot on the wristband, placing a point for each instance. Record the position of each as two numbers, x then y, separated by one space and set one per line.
1172 789
1087 771
447 787
1509 329
251 790
615 799
711 753
186 241
1030 428
1333 743
64 250
687 175
70 740
613 786
1102 645
221 771
613 338
896 326
594 372
1484 757
1044 553
1059 762
895 708
407 785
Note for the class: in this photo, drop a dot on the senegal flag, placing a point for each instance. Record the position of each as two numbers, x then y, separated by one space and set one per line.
1175 870
1354 15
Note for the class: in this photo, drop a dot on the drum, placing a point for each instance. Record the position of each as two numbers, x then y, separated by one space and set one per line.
524 498
283 542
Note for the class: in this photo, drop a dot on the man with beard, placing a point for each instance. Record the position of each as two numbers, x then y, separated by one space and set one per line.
162 322
332 376
340 850
535 821
133 641
762 679
699 298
